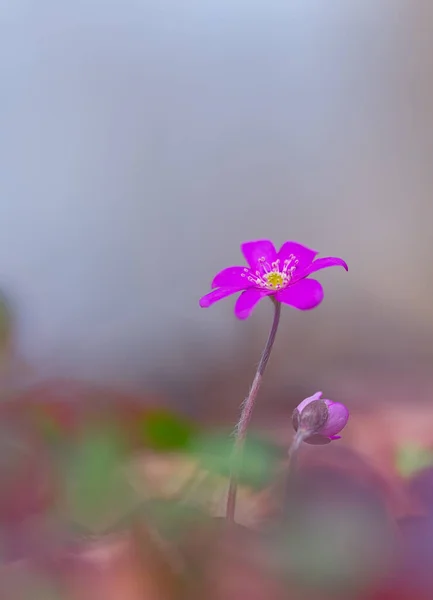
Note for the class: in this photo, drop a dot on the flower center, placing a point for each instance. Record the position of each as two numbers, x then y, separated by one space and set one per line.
274 280
272 276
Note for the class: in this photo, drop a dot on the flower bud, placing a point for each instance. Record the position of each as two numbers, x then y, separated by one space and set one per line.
321 420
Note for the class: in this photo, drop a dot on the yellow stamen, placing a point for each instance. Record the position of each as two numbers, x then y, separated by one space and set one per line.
274 280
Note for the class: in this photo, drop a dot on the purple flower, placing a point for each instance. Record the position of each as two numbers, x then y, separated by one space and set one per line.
280 274
323 418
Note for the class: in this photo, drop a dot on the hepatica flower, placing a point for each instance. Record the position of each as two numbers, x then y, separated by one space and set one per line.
321 420
283 275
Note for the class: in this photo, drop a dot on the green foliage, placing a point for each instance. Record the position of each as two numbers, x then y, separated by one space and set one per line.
164 431
172 518
96 492
412 458
214 450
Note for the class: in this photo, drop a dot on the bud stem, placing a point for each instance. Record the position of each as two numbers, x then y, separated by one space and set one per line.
300 436
247 410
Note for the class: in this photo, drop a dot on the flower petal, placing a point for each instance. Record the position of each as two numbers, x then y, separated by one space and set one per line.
303 295
304 255
337 419
324 263
257 250
247 301
217 295
232 277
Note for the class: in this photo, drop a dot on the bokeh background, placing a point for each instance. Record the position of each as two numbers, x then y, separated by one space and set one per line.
141 142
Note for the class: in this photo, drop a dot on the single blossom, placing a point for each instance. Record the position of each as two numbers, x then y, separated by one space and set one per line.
321 419
280 274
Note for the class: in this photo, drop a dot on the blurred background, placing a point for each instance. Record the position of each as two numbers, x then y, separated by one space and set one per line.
142 142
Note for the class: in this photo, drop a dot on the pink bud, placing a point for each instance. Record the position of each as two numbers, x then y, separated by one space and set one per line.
336 420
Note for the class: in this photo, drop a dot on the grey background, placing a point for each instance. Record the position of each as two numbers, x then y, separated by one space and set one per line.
143 141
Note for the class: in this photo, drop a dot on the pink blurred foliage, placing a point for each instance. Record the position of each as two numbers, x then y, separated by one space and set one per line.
215 561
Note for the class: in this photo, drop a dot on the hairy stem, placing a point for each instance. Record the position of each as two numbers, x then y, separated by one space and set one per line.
247 410
284 487
294 447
